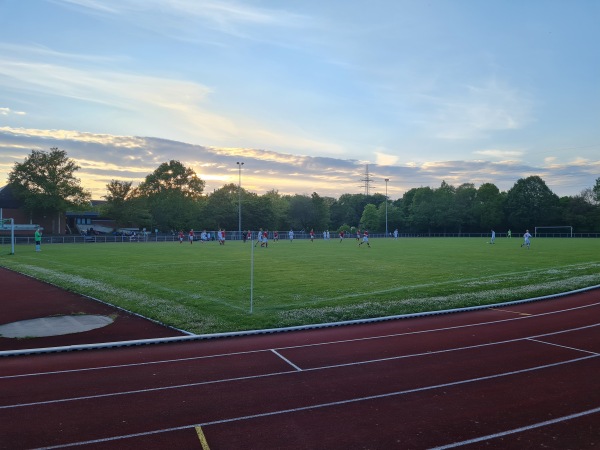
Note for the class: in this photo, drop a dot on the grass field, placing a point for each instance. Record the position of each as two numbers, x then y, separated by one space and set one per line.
206 288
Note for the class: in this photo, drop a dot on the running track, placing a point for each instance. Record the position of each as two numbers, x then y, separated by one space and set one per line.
524 376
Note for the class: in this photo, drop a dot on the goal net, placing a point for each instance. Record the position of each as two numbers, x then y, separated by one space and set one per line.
556 231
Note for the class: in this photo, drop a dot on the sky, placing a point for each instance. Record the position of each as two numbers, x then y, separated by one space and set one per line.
306 93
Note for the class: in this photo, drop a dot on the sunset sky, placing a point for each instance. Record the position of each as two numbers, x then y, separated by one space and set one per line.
306 93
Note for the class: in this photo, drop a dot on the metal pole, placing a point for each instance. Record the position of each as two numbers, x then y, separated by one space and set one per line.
386 203
240 164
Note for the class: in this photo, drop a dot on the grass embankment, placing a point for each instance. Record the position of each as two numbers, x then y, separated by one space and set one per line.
206 288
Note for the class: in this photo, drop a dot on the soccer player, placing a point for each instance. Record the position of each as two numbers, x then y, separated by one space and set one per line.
38 240
493 238
341 235
365 239
291 235
181 236
396 233
526 241
191 236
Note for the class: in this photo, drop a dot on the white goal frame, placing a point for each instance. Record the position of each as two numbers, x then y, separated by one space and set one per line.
558 226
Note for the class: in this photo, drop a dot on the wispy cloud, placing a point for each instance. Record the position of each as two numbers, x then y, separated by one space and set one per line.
477 110
8 111
106 157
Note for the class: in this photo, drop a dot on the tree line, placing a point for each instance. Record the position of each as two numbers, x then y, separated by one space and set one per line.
172 198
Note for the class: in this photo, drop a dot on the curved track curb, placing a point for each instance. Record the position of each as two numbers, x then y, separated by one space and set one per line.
198 337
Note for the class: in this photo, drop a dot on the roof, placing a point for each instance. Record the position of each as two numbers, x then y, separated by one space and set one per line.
8 199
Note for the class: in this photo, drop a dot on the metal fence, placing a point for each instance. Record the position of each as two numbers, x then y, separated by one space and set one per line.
235 236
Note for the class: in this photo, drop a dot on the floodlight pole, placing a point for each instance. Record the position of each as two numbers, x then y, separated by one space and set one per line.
386 204
240 164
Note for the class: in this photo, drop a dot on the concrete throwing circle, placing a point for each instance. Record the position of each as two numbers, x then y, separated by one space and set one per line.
53 326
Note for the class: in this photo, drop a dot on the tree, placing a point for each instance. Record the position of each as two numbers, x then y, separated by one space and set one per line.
596 191
174 196
488 207
464 202
172 177
531 203
222 208
46 184
370 217
122 205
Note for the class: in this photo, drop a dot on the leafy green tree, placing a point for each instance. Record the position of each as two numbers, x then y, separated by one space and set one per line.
464 203
172 177
421 211
444 215
123 206
596 191
46 184
222 209
488 208
173 194
531 203
280 206
347 209
370 218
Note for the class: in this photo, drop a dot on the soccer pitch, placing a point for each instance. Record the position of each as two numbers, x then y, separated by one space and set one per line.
208 288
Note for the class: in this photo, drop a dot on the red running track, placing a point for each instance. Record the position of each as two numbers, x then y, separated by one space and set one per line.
525 376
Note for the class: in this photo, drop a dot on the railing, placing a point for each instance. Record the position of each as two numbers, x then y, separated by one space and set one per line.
283 236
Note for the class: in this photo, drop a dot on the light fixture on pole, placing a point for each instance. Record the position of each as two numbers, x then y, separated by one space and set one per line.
386 202
240 164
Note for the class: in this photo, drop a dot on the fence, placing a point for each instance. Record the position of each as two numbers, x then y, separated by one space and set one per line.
234 236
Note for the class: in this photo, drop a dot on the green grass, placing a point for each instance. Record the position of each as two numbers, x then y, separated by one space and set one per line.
205 288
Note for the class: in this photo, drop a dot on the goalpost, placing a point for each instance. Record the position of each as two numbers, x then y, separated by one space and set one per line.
9 224
563 227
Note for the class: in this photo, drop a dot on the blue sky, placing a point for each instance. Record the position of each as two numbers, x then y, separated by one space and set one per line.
306 93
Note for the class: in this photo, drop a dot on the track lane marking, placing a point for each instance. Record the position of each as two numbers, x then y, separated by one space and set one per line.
518 430
286 372
321 405
287 360
565 346
304 345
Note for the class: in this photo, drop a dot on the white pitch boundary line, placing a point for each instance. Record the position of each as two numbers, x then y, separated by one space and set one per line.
287 372
321 405
519 430
313 345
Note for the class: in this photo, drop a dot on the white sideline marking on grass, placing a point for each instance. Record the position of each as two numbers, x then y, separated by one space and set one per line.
335 342
287 372
519 430
287 360
323 405
512 275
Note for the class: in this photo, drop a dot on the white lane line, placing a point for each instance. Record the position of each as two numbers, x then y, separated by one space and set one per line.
315 344
322 405
250 377
519 430
287 360
564 346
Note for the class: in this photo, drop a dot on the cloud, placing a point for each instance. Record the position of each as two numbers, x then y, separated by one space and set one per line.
8 111
500 154
477 110
105 157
